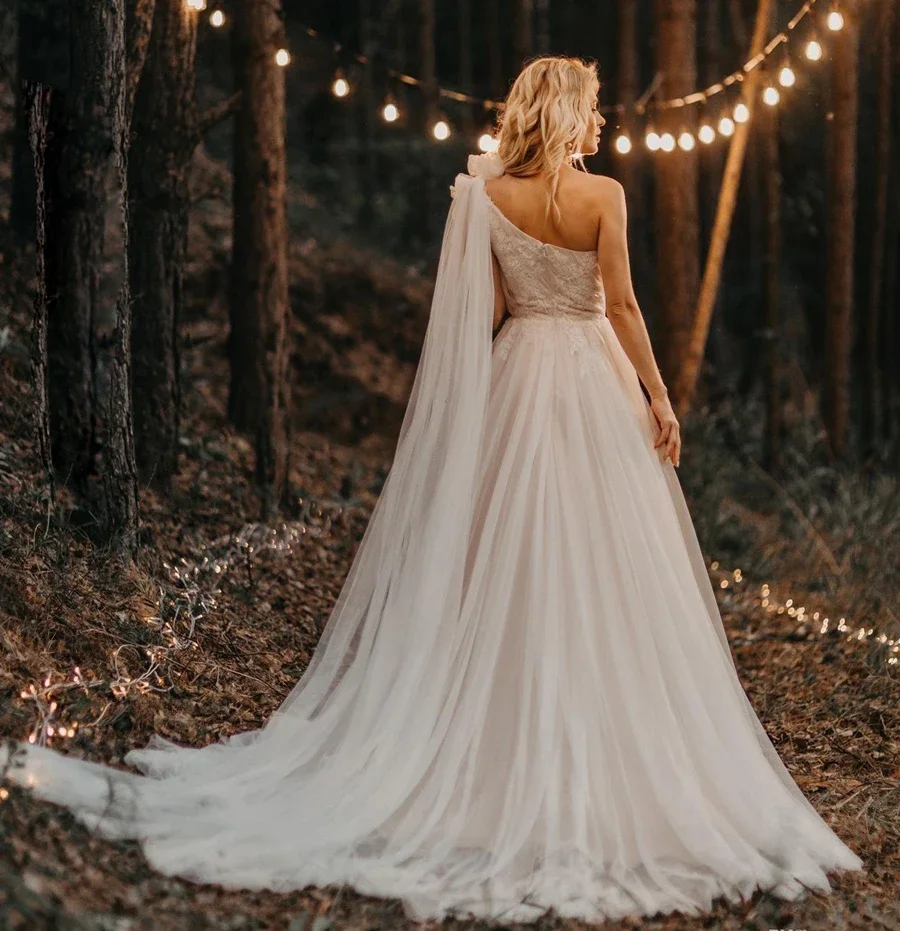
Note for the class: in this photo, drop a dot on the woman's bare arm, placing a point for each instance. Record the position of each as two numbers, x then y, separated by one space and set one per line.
621 303
625 315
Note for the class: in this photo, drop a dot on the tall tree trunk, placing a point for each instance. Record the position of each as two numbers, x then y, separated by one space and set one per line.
873 388
841 233
773 453
368 170
495 49
542 43
677 208
523 27
119 472
465 60
37 102
163 139
258 343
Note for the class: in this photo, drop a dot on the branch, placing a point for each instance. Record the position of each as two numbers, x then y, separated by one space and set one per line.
215 115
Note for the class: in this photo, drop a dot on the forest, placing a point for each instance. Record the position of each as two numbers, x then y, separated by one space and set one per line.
221 227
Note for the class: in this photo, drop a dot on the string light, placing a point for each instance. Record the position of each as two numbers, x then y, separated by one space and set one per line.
441 130
340 86
786 76
771 96
216 19
652 139
488 143
706 134
390 112
198 5
623 144
741 113
686 141
814 50
282 58
835 21
667 142
726 126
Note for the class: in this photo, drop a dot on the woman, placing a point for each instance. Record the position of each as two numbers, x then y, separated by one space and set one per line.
524 698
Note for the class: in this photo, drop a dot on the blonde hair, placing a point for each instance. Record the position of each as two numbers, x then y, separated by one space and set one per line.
545 117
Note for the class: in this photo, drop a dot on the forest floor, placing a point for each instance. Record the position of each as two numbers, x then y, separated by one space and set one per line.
201 638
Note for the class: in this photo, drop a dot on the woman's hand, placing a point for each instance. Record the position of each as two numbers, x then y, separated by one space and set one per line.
670 431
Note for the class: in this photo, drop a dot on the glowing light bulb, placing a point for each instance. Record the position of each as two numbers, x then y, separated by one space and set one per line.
487 143
282 58
340 87
198 5
726 126
786 77
216 19
667 142
813 50
706 134
623 144
835 21
771 95
686 141
441 130
741 113
390 112
652 140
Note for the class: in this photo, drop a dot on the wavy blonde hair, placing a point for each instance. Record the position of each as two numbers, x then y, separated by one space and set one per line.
545 117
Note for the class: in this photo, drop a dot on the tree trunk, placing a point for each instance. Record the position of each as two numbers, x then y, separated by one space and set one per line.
119 472
368 171
495 49
36 99
258 343
773 454
164 127
543 27
840 233
873 388
523 27
677 208
465 60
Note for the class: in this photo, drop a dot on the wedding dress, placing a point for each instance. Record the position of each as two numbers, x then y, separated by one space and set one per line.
524 697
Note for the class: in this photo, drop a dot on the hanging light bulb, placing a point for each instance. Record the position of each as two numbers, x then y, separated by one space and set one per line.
282 58
441 130
771 96
835 20
726 126
667 142
786 76
487 142
652 140
623 144
216 19
198 5
390 111
686 141
813 50
706 134
341 86
741 113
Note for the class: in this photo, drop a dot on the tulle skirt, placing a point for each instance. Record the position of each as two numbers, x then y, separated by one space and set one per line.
578 739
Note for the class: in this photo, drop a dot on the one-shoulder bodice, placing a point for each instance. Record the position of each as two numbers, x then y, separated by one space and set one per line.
543 279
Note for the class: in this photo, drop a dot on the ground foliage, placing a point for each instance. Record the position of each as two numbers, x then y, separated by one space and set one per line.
198 668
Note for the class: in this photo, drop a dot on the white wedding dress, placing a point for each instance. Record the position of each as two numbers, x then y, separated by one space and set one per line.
524 697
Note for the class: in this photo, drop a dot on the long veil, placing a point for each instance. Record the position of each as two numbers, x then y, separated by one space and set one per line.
384 654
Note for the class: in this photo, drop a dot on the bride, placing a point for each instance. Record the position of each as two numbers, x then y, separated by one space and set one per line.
524 698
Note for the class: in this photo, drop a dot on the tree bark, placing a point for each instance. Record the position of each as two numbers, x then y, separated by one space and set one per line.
258 343
523 27
695 345
841 239
36 100
119 472
873 387
164 134
465 60
542 44
495 49
677 207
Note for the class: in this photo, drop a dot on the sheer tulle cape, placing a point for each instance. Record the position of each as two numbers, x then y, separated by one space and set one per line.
524 697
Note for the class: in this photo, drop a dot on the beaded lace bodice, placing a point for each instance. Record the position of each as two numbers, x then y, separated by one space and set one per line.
543 279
